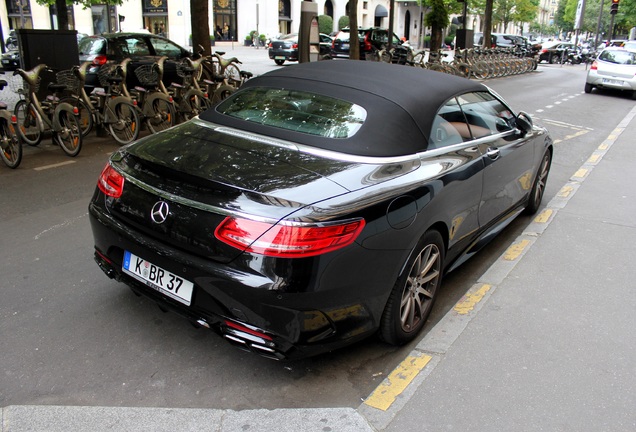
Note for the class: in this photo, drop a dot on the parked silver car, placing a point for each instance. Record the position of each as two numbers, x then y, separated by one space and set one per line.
614 68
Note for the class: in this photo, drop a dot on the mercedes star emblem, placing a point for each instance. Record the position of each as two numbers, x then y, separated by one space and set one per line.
159 212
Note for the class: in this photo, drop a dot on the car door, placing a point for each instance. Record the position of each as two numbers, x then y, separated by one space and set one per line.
507 155
452 143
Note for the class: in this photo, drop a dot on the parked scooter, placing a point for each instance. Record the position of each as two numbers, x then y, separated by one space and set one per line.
12 41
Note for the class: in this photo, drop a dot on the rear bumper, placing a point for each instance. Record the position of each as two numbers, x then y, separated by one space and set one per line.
239 303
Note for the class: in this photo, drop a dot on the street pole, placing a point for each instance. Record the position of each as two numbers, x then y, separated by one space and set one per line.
598 27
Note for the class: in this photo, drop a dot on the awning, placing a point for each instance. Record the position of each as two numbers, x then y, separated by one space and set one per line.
381 12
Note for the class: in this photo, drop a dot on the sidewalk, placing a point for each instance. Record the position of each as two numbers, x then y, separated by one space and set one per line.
534 345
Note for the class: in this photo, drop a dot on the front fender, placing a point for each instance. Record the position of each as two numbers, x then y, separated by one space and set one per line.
63 106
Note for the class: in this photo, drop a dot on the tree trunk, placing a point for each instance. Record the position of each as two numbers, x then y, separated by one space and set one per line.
354 43
62 14
200 26
488 24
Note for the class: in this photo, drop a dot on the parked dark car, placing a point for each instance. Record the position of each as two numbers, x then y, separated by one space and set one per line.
312 209
286 48
142 48
555 51
370 39
11 60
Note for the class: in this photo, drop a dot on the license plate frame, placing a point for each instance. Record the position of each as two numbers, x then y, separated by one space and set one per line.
158 278
612 81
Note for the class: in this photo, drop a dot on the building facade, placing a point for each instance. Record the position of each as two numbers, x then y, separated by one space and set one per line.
229 19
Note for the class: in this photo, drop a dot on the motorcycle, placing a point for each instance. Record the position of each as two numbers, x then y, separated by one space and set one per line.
12 41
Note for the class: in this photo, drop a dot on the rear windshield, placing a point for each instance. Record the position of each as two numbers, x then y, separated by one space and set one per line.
90 45
618 57
298 111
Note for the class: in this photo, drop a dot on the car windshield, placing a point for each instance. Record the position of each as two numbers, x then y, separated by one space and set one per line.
299 111
90 45
618 57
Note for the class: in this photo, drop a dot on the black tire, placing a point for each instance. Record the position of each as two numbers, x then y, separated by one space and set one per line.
29 126
588 88
279 62
538 188
233 75
85 116
125 126
163 116
10 145
221 93
553 59
197 105
69 137
414 292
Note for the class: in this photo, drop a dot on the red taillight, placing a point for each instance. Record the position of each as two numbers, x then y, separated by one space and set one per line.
111 182
367 43
594 65
287 241
100 60
544 50
295 46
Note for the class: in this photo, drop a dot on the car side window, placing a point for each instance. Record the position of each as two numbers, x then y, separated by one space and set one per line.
166 48
486 115
137 47
449 126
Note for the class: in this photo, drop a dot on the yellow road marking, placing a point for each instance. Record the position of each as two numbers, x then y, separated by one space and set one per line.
580 173
385 394
544 216
603 146
594 158
468 302
565 191
515 250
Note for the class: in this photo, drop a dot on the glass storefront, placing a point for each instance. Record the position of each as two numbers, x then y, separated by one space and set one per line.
225 20
155 13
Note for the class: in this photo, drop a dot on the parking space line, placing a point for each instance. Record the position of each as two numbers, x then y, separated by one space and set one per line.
45 167
385 394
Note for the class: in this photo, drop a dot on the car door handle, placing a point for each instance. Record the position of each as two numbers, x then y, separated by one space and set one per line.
492 152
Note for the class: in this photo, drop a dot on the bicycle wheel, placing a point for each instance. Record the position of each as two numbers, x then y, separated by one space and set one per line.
233 75
162 117
10 146
123 122
29 123
221 93
85 116
69 136
197 104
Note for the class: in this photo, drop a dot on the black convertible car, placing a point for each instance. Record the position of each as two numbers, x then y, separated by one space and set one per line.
313 208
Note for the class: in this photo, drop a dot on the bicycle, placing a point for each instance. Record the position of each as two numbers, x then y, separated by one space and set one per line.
10 144
157 106
34 117
189 98
109 109
216 65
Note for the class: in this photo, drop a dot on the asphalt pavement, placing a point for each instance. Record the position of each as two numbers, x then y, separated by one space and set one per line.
534 345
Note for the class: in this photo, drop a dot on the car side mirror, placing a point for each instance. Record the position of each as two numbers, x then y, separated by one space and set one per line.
524 123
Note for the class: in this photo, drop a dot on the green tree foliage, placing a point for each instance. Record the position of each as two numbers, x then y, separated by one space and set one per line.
343 22
437 19
325 24
623 20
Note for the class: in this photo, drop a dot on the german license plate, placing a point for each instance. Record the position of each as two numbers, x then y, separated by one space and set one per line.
5 61
345 46
279 57
612 81
157 278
